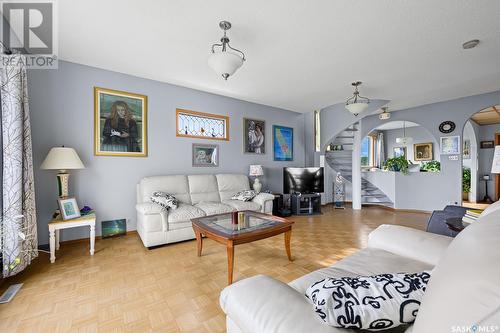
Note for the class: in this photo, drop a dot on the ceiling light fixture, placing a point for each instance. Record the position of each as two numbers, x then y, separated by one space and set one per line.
470 44
385 114
227 60
357 103
404 140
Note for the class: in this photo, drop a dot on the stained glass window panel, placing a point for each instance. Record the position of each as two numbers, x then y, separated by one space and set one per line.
202 125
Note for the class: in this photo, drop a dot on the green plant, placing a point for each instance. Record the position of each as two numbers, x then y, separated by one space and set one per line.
397 164
465 180
431 166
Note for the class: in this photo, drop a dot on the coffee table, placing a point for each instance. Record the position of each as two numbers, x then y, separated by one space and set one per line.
255 226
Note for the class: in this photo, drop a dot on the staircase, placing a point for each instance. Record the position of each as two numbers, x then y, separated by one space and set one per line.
341 161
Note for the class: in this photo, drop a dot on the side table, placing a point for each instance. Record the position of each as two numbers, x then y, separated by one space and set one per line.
58 224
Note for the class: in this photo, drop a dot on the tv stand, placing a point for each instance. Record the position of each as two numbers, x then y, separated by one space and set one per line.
306 204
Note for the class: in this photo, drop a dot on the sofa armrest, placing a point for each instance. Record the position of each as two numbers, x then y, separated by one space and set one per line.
148 208
265 201
263 304
408 242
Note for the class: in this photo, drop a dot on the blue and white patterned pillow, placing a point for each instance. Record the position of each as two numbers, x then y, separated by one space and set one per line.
246 195
165 200
373 303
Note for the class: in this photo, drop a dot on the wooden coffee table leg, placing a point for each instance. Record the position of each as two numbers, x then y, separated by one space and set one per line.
230 261
199 240
288 236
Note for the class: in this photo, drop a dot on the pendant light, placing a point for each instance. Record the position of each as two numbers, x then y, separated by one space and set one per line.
227 59
357 103
385 115
404 140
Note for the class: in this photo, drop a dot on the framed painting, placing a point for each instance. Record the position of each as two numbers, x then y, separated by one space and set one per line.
120 123
205 155
422 151
254 139
487 144
399 151
282 143
68 208
450 145
114 228
466 150
194 124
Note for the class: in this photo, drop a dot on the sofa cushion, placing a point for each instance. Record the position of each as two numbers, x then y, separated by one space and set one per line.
176 185
212 208
245 195
369 302
148 208
230 184
242 205
203 188
164 200
369 261
184 213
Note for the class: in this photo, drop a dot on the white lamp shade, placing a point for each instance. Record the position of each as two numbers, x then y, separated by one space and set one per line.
225 63
404 140
495 166
256 170
62 158
356 108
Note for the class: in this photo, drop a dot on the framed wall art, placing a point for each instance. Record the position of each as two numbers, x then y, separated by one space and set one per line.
450 145
254 139
282 143
193 124
466 150
205 155
120 123
114 228
399 151
487 144
422 151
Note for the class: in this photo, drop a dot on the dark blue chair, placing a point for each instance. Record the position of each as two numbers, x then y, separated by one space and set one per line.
437 221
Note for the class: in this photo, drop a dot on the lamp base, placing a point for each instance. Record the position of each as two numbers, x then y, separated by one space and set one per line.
257 185
62 183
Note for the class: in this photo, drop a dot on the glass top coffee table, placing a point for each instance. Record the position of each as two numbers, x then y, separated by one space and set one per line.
253 226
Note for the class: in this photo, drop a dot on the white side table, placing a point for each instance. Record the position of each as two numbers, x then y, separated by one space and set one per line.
58 224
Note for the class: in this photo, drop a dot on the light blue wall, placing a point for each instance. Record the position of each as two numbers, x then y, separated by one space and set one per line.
62 113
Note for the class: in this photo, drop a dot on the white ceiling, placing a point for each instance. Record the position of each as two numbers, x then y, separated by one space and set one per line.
397 124
302 55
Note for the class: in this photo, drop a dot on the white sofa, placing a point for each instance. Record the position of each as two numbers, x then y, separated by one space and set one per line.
464 288
198 195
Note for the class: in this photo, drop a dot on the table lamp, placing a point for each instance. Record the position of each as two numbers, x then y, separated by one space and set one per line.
62 159
256 171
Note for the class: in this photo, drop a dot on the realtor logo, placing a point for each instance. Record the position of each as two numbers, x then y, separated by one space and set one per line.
29 28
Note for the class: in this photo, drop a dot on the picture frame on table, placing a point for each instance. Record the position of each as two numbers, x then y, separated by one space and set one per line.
68 208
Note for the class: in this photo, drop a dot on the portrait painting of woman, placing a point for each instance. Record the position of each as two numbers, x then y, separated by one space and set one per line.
254 136
120 123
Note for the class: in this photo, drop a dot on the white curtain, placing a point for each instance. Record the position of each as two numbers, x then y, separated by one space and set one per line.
18 221
380 151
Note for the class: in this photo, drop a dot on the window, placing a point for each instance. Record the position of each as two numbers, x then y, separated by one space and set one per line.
317 131
368 151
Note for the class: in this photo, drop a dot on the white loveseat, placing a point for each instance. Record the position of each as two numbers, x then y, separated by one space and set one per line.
464 289
198 195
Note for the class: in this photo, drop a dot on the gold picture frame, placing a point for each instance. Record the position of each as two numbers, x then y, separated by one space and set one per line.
423 151
120 123
201 125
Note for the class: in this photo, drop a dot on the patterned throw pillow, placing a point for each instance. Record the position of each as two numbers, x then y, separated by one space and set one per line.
167 201
246 195
373 303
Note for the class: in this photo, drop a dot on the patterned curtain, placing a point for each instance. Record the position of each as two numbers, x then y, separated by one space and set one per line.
18 221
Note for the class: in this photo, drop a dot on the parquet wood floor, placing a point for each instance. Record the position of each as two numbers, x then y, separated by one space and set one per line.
126 288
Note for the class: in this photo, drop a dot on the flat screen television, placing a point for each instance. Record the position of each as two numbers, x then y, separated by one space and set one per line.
303 180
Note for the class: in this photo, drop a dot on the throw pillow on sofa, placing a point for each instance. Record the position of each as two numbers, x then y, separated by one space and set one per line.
246 195
373 303
165 200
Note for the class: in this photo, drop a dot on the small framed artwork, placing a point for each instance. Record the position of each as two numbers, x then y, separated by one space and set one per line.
487 144
422 151
113 228
205 155
69 208
282 143
466 150
450 145
399 151
120 123
201 125
254 139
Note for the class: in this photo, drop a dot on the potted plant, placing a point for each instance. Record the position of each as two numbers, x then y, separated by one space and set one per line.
398 164
465 183
431 166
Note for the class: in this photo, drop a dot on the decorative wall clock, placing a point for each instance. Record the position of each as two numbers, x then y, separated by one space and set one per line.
447 126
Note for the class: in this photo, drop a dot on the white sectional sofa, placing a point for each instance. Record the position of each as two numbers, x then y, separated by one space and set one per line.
463 290
198 195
